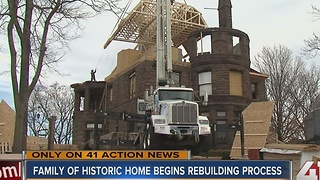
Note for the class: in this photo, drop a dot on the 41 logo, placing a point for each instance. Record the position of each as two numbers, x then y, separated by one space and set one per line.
309 171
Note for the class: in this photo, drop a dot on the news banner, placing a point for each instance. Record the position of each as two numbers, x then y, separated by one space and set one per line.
35 165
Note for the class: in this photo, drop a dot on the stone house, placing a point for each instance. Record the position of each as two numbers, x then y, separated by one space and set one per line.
223 71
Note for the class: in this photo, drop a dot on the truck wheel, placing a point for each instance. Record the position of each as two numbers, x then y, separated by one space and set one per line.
151 140
206 143
203 146
195 150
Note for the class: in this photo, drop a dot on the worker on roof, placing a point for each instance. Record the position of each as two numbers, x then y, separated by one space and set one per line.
93 75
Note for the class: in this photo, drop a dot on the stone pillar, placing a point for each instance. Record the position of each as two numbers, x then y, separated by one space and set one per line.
225 17
52 121
77 101
87 99
192 44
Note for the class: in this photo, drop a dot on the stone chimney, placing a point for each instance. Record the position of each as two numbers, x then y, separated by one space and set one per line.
225 17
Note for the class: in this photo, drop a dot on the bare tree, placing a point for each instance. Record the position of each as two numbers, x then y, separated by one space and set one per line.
292 86
38 33
62 105
37 116
57 100
312 45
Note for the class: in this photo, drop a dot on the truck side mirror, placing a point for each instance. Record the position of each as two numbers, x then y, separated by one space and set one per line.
205 98
141 106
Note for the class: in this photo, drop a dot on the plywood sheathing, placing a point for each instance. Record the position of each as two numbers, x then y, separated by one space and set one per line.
129 58
315 159
256 117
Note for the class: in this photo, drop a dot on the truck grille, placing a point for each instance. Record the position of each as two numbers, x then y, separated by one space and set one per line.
183 113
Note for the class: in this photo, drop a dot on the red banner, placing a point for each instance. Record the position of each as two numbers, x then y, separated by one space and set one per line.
10 170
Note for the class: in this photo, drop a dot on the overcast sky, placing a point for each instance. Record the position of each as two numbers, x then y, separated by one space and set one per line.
268 23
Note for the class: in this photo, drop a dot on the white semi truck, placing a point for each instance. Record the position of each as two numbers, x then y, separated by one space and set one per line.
175 122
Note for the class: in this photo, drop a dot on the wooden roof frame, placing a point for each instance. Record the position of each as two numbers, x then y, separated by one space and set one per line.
140 25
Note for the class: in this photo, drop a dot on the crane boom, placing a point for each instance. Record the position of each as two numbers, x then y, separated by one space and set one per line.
168 40
160 44
164 39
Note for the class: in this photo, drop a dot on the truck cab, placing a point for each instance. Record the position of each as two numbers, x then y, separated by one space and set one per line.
175 122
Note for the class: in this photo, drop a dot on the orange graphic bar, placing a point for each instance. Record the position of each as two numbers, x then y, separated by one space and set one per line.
105 155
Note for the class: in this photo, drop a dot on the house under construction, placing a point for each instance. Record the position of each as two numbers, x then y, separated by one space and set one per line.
213 60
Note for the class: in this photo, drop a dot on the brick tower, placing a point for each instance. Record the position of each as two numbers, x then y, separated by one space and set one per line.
223 71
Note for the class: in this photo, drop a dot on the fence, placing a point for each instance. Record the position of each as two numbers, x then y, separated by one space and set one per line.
5 147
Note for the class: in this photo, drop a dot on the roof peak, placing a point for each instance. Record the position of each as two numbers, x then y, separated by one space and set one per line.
4 104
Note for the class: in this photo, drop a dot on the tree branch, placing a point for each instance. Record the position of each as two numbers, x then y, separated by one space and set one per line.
43 45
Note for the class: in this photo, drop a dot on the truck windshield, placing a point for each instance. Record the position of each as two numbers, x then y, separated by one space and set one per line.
175 94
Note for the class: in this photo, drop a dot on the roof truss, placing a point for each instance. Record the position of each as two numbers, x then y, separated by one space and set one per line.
140 25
